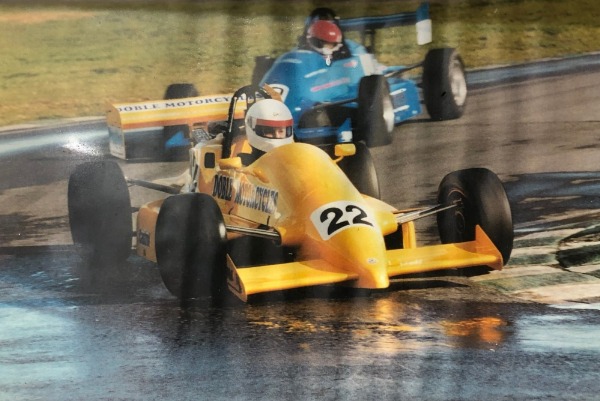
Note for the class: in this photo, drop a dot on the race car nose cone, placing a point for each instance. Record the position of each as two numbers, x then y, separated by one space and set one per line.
362 251
373 274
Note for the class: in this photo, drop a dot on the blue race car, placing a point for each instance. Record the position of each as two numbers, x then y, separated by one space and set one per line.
338 92
335 88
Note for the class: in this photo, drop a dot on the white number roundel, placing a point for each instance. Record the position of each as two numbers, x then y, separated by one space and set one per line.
337 216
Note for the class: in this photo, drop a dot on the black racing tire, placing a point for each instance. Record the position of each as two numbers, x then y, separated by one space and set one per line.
180 91
176 91
482 201
100 212
191 245
375 116
444 84
361 171
262 64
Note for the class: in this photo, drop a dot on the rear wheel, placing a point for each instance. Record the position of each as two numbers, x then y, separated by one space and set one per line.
191 246
361 171
375 111
444 84
100 212
481 200
180 91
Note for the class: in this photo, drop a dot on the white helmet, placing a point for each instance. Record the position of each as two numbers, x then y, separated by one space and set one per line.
269 124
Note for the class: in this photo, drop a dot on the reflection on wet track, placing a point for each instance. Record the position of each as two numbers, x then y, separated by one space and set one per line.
119 334
73 141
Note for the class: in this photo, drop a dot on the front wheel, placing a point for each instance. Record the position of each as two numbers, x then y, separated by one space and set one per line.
100 212
444 84
191 246
480 199
375 111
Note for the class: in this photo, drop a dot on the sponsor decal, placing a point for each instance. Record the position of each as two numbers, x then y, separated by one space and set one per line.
351 64
139 107
337 216
331 84
170 104
399 97
291 61
144 238
316 72
245 194
194 102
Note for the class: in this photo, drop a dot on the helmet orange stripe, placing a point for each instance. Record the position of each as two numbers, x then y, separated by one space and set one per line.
274 123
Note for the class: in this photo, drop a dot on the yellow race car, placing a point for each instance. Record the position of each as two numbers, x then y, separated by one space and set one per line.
290 218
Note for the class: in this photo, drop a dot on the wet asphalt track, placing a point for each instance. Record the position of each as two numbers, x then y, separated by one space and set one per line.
529 332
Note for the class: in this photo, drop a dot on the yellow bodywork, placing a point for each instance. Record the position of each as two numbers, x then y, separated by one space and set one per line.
338 233
249 281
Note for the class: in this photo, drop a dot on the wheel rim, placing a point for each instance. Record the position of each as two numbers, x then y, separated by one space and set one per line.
388 113
458 83
459 219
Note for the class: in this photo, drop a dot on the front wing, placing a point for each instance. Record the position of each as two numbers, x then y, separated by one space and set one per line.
244 282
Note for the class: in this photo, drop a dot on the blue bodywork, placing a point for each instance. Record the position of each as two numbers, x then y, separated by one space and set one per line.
309 82
306 82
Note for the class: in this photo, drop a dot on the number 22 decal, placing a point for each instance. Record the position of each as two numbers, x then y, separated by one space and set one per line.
337 216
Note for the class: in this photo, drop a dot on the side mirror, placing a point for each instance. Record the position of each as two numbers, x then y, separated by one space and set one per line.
231 163
345 149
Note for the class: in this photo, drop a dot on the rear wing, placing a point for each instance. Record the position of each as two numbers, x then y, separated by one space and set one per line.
420 18
141 124
163 113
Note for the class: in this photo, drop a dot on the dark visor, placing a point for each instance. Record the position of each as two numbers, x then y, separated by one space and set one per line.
319 44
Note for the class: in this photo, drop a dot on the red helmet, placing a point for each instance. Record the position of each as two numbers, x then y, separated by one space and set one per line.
324 36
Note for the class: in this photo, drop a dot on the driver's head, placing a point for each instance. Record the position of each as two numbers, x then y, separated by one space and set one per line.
324 37
269 124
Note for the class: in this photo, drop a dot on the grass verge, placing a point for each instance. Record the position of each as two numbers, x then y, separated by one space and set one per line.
71 58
